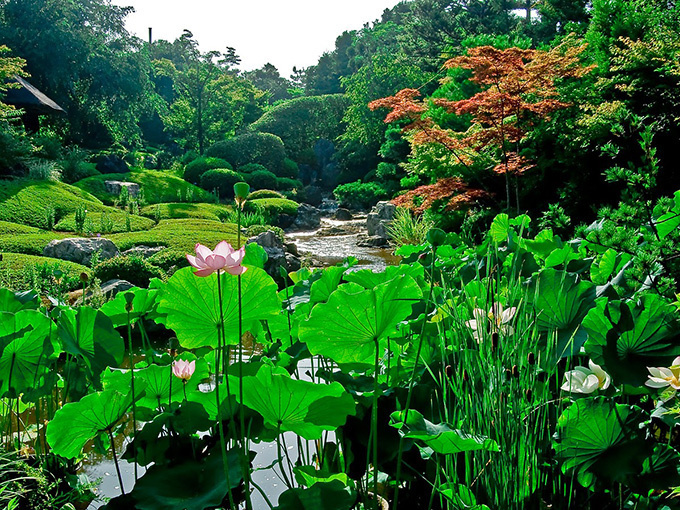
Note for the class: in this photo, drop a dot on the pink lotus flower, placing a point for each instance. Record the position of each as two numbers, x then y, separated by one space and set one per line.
183 369
224 258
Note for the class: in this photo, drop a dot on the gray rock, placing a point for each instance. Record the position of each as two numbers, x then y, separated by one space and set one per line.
109 289
373 242
380 218
143 251
80 250
342 214
285 220
308 217
266 239
292 262
115 187
292 249
112 164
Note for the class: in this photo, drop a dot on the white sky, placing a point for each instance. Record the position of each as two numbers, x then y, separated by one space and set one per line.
285 33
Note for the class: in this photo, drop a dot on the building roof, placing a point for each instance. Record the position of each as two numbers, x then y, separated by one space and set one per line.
29 98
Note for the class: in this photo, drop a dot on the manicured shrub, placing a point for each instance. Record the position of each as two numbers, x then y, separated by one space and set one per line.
290 169
44 274
360 195
136 270
286 183
264 193
261 148
216 212
251 167
194 170
222 180
262 179
273 206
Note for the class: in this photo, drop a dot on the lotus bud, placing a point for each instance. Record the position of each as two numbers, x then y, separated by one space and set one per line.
494 341
241 191
84 277
436 237
129 297
531 358
449 371
515 370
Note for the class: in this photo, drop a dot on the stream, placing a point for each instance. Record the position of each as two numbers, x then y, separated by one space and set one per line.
328 245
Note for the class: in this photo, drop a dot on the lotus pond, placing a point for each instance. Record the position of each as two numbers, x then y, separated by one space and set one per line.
523 372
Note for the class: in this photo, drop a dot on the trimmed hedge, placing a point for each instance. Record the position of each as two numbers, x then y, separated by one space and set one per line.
222 180
17 238
136 270
261 148
181 235
119 219
273 206
157 186
284 183
194 170
262 179
17 270
215 212
26 202
264 193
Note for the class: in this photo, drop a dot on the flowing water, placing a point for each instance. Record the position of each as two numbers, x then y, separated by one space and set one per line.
328 245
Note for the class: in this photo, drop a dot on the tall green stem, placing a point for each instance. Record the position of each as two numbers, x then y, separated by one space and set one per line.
412 380
245 459
132 386
220 428
115 461
374 425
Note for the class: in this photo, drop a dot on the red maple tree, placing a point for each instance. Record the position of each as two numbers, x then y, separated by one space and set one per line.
518 90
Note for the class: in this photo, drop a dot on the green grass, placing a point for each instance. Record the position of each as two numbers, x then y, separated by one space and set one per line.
17 238
19 271
215 212
68 224
26 202
157 186
179 234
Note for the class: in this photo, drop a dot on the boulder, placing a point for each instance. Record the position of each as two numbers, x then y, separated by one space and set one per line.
373 242
276 255
80 250
313 195
380 218
112 164
292 249
308 217
285 220
109 289
143 251
115 187
342 214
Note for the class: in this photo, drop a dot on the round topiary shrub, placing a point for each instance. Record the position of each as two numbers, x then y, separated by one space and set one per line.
251 167
194 170
222 180
262 179
136 270
264 193
261 148
287 184
273 206
290 169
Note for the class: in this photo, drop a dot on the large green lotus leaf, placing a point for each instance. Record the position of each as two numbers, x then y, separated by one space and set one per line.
309 475
11 302
76 423
28 348
333 495
368 279
191 305
597 439
347 327
561 300
89 333
143 303
189 485
440 437
302 407
322 288
160 383
626 337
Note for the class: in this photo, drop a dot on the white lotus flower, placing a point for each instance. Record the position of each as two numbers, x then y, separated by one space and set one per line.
494 321
662 377
586 380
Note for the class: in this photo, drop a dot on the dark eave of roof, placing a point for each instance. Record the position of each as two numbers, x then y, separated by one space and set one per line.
29 98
